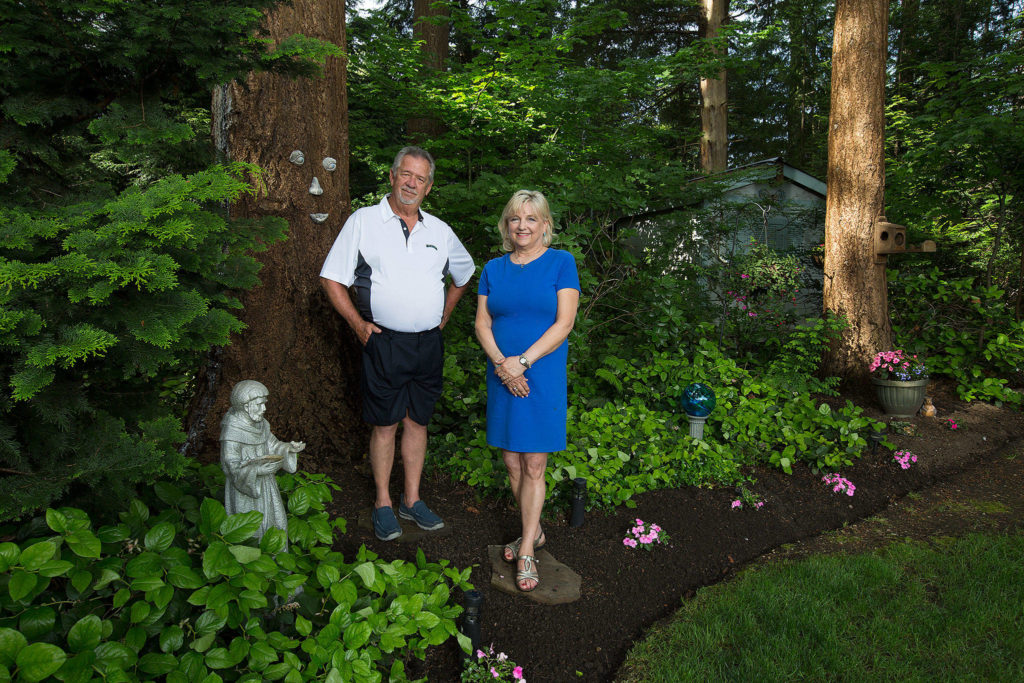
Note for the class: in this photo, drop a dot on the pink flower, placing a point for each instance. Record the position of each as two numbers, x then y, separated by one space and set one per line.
655 527
495 673
759 505
517 673
645 539
744 276
737 504
630 542
480 654
639 521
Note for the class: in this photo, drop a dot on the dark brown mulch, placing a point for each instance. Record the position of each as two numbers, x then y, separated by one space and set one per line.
625 591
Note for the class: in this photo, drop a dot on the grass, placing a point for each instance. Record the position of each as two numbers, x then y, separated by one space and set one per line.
911 612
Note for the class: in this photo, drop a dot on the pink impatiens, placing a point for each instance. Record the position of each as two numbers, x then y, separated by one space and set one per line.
839 484
645 536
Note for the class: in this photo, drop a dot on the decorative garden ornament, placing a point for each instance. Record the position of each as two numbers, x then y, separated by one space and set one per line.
297 157
698 401
314 187
927 410
251 455
319 217
330 163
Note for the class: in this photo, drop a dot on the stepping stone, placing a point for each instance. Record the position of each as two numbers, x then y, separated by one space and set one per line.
410 532
558 584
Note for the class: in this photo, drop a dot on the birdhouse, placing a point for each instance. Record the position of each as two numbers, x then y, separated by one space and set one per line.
891 238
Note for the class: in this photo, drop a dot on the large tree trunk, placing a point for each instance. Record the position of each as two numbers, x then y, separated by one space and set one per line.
434 34
714 142
294 343
854 283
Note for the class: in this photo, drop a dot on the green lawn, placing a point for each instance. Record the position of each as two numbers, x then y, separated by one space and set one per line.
950 611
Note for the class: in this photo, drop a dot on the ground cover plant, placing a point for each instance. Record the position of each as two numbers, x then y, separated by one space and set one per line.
913 611
177 590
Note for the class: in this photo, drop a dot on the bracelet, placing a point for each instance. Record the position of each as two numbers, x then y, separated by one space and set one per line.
499 361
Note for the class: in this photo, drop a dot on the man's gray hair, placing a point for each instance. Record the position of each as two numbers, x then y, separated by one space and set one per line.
417 152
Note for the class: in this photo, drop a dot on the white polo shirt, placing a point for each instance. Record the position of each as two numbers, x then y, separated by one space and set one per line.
398 278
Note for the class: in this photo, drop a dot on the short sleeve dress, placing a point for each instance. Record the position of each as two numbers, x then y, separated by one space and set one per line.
523 303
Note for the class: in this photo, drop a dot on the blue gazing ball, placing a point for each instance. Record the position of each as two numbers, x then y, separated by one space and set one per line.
698 400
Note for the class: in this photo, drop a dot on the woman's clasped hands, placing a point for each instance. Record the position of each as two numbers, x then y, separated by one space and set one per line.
510 372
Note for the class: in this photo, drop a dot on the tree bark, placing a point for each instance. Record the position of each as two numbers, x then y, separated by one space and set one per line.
714 142
294 342
854 284
434 35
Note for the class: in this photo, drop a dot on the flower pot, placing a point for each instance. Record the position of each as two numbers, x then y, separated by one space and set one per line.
900 398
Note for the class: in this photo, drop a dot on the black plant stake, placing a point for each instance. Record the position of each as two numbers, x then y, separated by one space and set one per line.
579 501
471 620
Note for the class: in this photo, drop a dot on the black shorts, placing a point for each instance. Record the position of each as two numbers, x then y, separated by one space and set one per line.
402 373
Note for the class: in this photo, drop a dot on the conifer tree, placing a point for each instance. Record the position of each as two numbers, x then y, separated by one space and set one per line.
117 263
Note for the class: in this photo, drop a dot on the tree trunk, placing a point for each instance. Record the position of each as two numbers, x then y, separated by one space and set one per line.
294 342
434 35
714 143
854 284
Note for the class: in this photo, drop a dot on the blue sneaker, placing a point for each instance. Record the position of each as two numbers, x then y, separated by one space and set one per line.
421 514
385 526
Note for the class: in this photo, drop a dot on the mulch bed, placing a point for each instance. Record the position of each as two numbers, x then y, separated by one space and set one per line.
626 590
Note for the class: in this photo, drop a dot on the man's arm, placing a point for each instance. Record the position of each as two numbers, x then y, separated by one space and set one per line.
451 298
342 302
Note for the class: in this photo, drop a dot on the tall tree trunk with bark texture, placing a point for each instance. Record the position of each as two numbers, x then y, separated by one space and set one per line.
854 284
434 34
714 143
294 342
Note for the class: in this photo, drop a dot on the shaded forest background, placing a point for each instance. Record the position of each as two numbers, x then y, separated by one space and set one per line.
130 240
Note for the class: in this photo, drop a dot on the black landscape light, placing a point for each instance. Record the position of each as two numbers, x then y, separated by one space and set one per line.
473 599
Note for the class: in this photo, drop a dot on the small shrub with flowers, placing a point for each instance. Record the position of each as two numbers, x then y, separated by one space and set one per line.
904 458
738 504
839 484
950 422
486 667
645 536
897 365
747 499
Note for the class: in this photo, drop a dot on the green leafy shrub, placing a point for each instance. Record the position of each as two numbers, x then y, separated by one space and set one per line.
177 590
964 330
627 435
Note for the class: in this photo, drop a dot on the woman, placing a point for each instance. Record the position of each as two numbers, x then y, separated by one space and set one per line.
525 310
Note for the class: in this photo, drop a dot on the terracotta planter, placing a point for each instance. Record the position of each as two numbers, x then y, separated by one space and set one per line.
900 398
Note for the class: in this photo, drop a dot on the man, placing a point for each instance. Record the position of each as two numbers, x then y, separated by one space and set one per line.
394 258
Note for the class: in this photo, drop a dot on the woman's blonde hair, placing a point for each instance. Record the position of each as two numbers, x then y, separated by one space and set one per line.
539 204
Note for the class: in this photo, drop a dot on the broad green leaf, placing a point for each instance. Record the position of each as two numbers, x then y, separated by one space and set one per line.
261 655
357 635
37 554
160 537
211 516
39 660
106 576
11 643
218 560
139 611
114 655
367 572
219 658
158 664
144 564
21 584
85 634
180 576
147 583
77 669
244 553
241 527
302 625
83 543
56 521
114 534
80 580
209 622
274 540
327 575
37 622
171 638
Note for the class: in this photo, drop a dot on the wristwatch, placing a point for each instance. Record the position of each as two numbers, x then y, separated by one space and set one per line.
524 361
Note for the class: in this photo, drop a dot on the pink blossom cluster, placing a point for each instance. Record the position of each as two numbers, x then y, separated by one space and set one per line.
904 458
898 364
499 661
839 484
644 535
739 504
951 423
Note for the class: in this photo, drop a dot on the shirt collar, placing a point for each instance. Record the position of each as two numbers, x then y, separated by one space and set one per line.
386 212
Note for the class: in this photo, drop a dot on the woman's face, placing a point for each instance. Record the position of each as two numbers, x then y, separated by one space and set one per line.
526 228
255 408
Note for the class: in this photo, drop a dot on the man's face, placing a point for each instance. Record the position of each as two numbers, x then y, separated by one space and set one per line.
255 408
411 184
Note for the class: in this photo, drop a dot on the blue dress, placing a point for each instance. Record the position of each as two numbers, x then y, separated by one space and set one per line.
523 303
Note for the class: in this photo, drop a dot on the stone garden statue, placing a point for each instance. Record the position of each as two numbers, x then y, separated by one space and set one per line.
250 457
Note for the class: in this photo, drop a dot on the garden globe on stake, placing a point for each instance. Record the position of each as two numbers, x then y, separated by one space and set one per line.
698 401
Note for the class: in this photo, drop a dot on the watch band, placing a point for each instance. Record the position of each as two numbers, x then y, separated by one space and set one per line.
525 361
